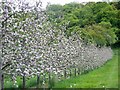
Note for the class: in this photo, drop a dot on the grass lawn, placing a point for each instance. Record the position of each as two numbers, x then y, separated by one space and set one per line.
103 77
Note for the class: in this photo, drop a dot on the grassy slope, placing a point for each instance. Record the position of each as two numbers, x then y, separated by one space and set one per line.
105 76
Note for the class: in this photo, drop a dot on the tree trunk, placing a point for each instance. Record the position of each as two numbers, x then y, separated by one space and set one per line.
49 77
65 74
0 65
70 73
24 81
75 71
78 71
38 80
2 82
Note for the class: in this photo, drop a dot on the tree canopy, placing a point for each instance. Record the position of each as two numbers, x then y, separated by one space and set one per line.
98 22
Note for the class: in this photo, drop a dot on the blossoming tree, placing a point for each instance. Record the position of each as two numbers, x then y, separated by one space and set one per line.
31 46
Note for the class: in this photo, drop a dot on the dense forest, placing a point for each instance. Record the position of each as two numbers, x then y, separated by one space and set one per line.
97 23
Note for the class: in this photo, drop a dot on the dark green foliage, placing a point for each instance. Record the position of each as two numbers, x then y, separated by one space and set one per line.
97 23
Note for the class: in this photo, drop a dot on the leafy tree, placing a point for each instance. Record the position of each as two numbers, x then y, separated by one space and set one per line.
88 15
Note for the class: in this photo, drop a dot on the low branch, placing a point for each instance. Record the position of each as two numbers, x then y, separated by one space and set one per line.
6 65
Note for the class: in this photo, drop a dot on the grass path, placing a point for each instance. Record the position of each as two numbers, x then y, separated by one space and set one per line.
105 76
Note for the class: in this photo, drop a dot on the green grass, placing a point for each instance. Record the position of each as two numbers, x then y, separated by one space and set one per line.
29 82
103 77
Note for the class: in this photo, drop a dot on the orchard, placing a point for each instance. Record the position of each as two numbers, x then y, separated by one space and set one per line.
31 46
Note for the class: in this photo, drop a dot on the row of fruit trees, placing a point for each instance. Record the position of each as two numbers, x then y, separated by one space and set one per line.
30 45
